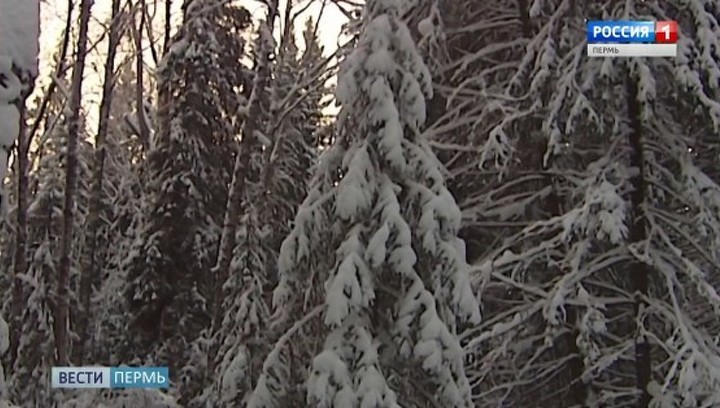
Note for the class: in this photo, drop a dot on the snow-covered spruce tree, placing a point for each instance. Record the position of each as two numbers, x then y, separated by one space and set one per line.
4 345
474 45
375 245
36 348
294 122
131 397
20 32
470 124
188 169
239 340
268 206
36 352
8 227
243 334
120 209
614 281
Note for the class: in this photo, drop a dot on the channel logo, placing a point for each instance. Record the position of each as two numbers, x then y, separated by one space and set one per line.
632 38
110 377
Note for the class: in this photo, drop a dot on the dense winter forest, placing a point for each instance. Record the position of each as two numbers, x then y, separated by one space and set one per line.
453 207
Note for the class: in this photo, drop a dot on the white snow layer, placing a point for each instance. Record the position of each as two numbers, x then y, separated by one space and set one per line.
4 336
19 32
9 124
19 47
235 373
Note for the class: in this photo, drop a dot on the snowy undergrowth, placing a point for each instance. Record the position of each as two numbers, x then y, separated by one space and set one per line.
120 399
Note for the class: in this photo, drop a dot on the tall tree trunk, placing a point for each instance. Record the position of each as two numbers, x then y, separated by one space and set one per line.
90 270
139 79
21 237
251 125
168 19
567 345
525 18
62 308
147 26
639 271
23 149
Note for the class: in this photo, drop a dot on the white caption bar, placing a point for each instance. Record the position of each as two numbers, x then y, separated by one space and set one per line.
632 50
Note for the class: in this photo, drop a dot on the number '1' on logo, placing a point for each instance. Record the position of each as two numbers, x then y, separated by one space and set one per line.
666 32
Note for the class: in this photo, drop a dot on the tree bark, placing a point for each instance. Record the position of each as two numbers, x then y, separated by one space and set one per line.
23 149
89 272
147 20
524 10
21 237
62 310
139 79
168 18
566 346
639 271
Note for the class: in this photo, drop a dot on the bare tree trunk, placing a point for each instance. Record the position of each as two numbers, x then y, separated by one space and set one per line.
148 20
251 125
525 18
288 24
639 271
23 149
566 346
62 311
139 79
89 272
168 19
21 237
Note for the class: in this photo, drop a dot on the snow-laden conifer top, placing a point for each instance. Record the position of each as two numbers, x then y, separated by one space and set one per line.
19 31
